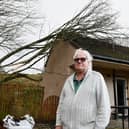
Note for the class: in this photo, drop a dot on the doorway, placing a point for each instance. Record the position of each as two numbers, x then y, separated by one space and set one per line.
121 94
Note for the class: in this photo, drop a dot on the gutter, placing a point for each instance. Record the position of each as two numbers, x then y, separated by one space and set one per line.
110 59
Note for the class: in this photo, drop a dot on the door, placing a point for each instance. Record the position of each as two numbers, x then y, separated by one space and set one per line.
121 93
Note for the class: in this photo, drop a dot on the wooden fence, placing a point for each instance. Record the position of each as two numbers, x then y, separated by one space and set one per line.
49 108
20 100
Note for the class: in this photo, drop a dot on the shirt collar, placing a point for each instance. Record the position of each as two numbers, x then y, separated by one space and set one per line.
86 75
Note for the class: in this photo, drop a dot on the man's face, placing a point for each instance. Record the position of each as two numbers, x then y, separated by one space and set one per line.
81 62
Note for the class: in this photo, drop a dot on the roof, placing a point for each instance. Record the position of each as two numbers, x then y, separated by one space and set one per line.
103 50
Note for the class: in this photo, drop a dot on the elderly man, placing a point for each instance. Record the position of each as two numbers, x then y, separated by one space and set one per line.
84 100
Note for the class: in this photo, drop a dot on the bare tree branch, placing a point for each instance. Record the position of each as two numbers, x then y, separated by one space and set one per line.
18 75
16 19
96 20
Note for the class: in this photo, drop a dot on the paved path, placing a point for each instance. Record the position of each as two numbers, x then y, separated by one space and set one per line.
117 124
114 124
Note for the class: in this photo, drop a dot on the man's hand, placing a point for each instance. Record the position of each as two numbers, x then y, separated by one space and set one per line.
58 127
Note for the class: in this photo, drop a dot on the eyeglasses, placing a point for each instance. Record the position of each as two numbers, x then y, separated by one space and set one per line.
83 59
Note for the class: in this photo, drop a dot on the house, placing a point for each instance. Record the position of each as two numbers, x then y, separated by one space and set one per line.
110 59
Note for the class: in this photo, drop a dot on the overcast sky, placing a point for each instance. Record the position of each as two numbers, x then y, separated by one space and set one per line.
57 12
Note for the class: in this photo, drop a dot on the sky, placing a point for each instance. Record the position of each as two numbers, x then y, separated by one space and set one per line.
57 12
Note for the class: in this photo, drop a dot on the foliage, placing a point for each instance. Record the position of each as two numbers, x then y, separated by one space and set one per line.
25 79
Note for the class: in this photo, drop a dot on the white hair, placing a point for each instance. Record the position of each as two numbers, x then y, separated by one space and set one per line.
87 55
